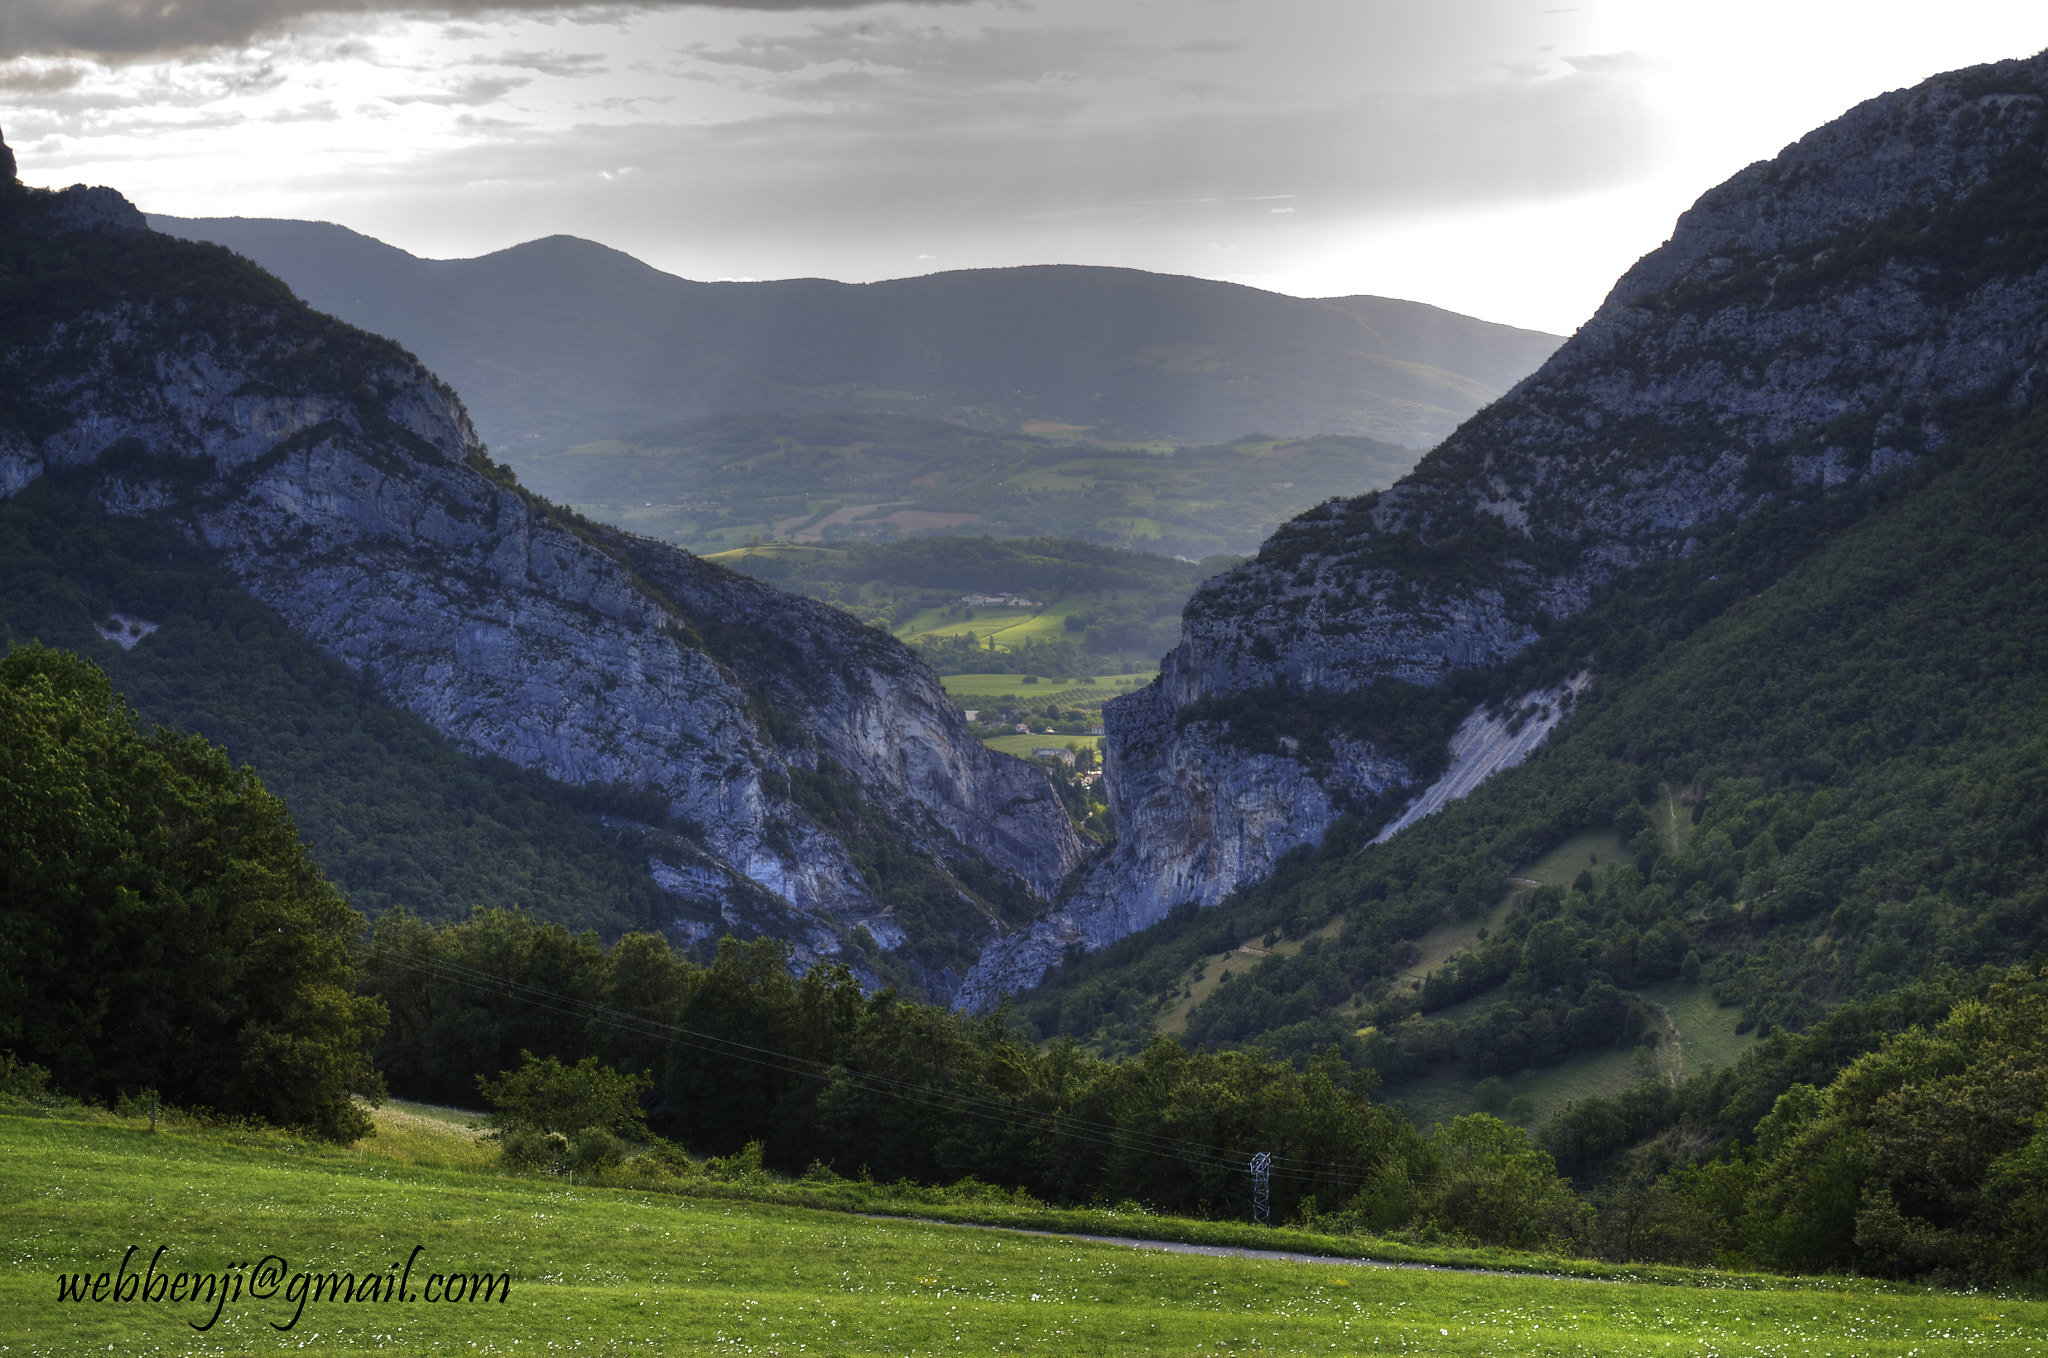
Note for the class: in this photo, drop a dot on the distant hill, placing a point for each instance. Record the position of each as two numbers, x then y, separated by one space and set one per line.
1105 609
562 341
721 482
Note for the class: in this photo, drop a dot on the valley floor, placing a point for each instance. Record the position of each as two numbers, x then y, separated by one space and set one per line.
615 1270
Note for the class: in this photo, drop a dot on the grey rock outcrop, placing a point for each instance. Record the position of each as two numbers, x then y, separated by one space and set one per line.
345 488
1816 320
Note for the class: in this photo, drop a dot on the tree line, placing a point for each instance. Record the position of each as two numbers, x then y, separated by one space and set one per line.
163 930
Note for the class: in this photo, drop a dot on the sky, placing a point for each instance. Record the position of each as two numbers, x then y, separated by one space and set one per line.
1503 158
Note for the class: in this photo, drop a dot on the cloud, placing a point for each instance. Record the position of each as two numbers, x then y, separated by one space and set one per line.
570 64
40 77
323 111
1038 173
905 60
470 93
118 31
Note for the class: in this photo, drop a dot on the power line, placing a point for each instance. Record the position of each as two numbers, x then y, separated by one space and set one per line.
1063 1124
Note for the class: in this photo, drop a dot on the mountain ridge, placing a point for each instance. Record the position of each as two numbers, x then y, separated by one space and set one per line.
343 486
1821 320
1159 355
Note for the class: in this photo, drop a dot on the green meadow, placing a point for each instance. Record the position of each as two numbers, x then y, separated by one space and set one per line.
597 1269
1018 688
1022 746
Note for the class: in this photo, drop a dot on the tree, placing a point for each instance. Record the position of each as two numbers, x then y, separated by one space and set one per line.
1925 1156
546 1096
161 925
1493 1187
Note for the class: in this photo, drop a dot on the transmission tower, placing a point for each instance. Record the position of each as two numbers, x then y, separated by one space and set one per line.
1262 1185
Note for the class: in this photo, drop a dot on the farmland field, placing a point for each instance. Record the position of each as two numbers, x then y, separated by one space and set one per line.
1022 746
620 1270
967 687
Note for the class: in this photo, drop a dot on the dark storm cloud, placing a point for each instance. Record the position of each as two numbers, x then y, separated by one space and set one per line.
133 30
44 80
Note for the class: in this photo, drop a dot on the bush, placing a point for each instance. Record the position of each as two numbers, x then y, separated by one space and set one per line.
545 1095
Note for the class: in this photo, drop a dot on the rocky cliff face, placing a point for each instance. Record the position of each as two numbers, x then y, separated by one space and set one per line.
345 488
1823 317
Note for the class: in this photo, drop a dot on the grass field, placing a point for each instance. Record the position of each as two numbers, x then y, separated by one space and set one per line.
1010 626
605 1270
1575 855
1201 980
1022 746
964 687
1706 1031
1447 1092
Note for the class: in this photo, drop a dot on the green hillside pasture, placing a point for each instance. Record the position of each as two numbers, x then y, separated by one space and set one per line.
1706 1031
968 687
1011 627
1704 1034
1008 626
1446 1093
1555 868
1203 979
426 1134
1022 746
1574 856
622 1271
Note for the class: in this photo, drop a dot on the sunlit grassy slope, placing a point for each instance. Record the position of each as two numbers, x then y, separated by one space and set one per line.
621 1271
1704 1032
1701 1032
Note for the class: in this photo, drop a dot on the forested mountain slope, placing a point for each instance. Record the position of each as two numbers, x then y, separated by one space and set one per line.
562 341
1854 320
793 772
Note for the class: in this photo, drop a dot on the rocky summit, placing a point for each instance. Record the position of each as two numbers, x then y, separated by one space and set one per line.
342 485
1829 316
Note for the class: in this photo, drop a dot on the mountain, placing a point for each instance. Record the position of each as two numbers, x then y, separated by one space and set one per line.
562 341
777 767
1861 318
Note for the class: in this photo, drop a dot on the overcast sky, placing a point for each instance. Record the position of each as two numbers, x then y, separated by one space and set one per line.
1504 158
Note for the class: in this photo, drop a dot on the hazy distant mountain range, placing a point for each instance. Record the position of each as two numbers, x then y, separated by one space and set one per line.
563 341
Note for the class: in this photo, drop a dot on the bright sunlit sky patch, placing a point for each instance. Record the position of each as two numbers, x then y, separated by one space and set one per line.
1504 158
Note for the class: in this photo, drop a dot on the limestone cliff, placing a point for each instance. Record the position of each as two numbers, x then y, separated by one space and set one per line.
343 485
1820 318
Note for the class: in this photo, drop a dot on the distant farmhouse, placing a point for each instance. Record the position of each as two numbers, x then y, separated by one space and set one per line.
1064 756
998 601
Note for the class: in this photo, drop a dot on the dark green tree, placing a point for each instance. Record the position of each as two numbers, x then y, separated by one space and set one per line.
161 925
547 1096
